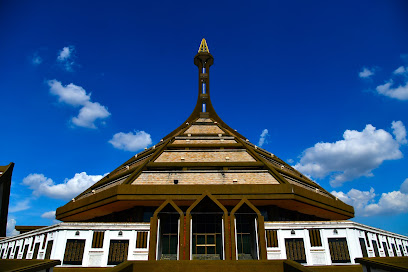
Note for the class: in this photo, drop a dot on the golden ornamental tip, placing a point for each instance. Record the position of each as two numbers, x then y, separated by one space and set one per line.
203 47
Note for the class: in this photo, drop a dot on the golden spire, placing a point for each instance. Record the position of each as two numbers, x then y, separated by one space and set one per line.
203 47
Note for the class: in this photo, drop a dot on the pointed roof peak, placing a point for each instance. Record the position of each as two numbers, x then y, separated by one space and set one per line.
203 47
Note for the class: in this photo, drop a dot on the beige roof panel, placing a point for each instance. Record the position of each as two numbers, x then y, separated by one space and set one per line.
205 156
207 177
204 129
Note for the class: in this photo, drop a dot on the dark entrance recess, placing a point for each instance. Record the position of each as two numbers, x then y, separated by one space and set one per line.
385 249
402 251
16 252
25 251
35 253
363 247
394 250
247 247
375 246
48 250
169 225
207 231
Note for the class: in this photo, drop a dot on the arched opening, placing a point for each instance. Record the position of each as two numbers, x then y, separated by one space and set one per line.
246 235
168 238
207 231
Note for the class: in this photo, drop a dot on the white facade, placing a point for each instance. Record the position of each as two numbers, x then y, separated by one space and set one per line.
396 245
351 231
60 233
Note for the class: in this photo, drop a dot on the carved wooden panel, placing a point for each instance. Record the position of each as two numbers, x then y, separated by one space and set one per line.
74 251
339 252
141 240
295 250
97 240
118 251
315 239
272 238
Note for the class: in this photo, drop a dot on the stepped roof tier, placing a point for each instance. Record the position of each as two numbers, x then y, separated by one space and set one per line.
204 156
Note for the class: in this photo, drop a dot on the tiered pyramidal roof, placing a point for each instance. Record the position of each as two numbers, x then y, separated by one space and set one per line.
204 156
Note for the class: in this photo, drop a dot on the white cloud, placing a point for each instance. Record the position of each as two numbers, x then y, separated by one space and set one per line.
11 227
262 137
398 129
36 59
390 203
65 58
398 90
70 94
89 113
131 141
43 186
356 155
356 198
387 89
49 215
366 73
20 206
65 53
74 95
401 70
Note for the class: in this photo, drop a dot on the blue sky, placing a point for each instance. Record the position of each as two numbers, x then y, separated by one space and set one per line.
85 85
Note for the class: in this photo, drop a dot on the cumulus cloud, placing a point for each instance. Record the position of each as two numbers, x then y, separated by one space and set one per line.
131 141
356 155
48 215
395 87
398 129
366 73
69 188
89 113
20 206
356 198
390 203
401 70
262 137
65 53
70 94
398 92
76 96
65 57
11 227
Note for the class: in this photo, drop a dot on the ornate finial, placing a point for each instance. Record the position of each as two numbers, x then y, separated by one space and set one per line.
203 47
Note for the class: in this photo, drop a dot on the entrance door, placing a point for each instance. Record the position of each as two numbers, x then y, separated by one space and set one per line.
207 237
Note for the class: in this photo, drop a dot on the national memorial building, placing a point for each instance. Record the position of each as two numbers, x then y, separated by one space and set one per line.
204 193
